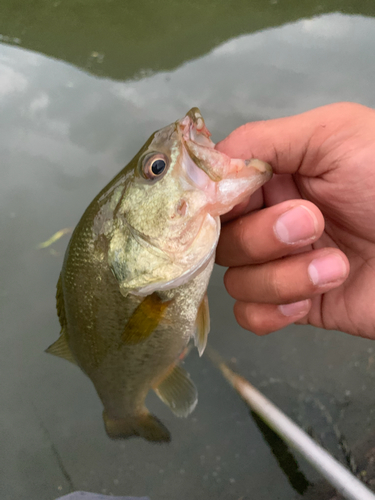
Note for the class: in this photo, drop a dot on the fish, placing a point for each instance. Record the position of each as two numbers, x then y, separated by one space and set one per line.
133 286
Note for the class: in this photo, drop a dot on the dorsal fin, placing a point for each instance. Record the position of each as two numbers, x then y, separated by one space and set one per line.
60 303
145 318
61 348
202 326
178 391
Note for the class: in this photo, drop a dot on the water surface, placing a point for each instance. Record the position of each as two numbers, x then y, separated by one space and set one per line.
75 107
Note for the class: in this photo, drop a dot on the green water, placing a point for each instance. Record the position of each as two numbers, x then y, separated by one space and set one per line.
82 85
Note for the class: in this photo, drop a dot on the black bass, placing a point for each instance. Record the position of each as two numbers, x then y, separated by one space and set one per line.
132 290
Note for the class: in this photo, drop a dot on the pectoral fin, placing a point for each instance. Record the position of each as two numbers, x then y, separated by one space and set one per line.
178 391
202 326
61 348
144 319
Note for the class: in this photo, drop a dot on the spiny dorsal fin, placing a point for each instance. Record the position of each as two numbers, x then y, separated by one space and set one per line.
60 303
61 348
144 319
178 391
202 326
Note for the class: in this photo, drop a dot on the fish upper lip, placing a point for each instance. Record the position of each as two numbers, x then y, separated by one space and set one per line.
201 138
189 131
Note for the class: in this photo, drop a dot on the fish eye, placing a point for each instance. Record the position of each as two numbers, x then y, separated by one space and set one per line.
158 167
154 166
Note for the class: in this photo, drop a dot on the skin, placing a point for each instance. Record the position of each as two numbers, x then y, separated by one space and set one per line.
325 161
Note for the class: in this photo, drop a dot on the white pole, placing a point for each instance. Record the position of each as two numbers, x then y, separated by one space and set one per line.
336 474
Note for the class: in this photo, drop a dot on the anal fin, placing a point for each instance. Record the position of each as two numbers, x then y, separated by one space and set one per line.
202 326
145 425
178 391
61 348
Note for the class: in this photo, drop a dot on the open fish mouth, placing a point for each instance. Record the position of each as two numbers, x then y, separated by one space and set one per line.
216 165
193 128
198 150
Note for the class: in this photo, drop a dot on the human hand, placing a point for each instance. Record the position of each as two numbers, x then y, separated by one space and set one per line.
308 257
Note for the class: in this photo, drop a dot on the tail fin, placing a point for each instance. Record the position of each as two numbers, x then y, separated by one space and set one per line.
144 425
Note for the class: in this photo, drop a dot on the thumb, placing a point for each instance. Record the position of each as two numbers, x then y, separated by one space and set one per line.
286 143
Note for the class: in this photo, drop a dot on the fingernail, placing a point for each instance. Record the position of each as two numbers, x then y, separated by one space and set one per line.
297 224
327 269
294 309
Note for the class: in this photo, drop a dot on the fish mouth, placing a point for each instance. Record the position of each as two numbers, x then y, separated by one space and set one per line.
193 128
207 167
195 135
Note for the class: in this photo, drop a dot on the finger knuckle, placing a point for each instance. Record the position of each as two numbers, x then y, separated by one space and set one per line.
228 281
260 330
260 325
277 288
249 318
241 315
245 242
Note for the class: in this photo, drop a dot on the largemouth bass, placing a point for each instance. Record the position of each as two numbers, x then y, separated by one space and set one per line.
132 290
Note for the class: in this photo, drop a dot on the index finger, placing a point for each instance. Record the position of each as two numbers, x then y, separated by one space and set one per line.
292 144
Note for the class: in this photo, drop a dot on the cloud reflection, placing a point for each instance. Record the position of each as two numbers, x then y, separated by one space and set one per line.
11 80
78 123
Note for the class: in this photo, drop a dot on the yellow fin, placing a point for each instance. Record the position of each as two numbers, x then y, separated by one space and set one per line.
144 425
202 326
178 391
144 319
61 348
